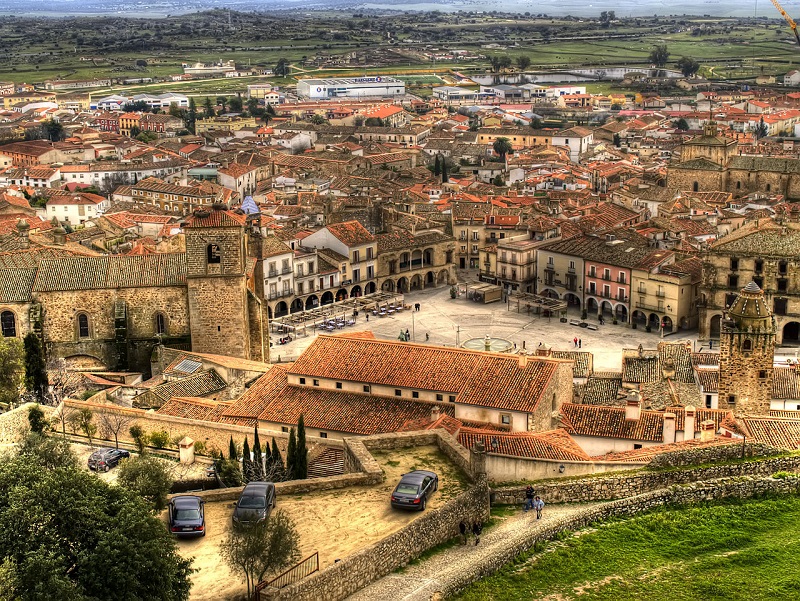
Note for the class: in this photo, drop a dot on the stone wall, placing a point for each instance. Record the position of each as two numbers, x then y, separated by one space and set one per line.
713 455
14 424
628 485
736 487
503 468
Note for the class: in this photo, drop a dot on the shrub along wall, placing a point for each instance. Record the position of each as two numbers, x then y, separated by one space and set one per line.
621 486
713 455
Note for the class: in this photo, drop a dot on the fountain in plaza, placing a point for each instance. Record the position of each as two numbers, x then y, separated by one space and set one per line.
489 344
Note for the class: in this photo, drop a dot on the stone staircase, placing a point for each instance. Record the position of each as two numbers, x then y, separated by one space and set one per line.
328 463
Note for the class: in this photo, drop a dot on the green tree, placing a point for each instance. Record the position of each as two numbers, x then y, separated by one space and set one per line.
659 55
82 539
437 167
617 140
229 472
687 66
191 115
235 104
12 370
84 420
53 130
262 549
291 455
135 131
247 462
35 368
499 181
681 124
502 146
36 419
282 68
374 122
445 175
277 462
318 120
148 477
761 130
208 107
47 452
536 123
301 451
523 62
233 455
139 437
258 463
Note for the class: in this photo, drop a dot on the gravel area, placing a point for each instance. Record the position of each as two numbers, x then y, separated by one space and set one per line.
421 581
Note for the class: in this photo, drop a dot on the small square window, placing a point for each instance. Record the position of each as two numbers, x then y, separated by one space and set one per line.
338 385
731 399
439 397
302 380
397 392
284 429
452 398
367 388
414 394
323 435
316 382
762 374
637 446
505 419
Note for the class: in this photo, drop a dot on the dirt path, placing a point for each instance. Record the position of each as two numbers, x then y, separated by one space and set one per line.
335 523
418 582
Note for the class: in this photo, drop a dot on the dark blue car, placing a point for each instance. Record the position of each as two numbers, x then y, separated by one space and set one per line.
187 516
414 489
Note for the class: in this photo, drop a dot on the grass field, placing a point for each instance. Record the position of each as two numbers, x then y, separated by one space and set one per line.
728 550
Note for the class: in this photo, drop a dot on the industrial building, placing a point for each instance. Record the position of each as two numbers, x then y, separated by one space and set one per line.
351 87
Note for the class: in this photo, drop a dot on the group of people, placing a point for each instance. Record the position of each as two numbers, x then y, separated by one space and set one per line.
533 501
285 340
577 342
476 528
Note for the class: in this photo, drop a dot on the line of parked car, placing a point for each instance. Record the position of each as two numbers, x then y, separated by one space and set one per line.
258 499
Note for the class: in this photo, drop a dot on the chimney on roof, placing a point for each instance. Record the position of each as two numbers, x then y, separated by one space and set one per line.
707 430
435 413
23 228
689 419
633 406
669 428
523 361
668 368
59 236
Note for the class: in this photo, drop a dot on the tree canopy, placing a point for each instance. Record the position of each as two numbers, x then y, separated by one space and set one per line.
12 370
502 146
688 66
659 55
81 539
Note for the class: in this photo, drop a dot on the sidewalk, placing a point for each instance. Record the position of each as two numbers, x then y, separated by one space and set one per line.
456 565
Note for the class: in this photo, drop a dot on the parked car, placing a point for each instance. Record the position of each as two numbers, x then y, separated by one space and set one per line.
414 489
106 458
187 516
255 503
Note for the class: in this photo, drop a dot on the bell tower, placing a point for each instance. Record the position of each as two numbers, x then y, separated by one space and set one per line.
747 349
216 278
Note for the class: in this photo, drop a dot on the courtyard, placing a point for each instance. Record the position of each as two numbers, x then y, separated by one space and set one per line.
442 320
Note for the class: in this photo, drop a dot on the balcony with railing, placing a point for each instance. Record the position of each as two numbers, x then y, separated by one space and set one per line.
280 294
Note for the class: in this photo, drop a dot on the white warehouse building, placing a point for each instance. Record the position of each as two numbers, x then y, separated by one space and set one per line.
351 87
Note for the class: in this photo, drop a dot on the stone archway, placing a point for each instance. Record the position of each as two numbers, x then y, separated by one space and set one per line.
311 302
356 291
297 305
791 333
573 300
281 309
370 288
550 293
639 318
666 323
621 313
388 286
715 326
416 282
402 284
591 306
653 321
327 298
430 279
606 309
441 280
341 294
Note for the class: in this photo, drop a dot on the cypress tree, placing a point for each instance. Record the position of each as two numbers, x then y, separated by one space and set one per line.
291 455
437 167
35 369
232 454
277 461
247 463
445 177
301 452
258 465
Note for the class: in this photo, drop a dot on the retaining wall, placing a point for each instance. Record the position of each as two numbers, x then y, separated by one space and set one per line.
628 485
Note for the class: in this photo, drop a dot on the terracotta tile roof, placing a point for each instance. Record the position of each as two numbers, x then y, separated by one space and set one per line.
111 272
784 413
259 395
446 422
785 383
191 408
582 362
636 369
216 219
197 385
16 285
708 379
602 391
645 454
351 233
556 444
705 358
475 377
776 432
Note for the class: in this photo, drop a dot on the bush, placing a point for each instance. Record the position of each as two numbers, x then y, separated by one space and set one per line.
36 419
229 473
148 477
159 439
139 437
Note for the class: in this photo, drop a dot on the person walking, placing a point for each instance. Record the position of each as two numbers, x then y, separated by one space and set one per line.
462 527
477 528
580 343
575 341
408 336
427 337
367 314
528 497
538 505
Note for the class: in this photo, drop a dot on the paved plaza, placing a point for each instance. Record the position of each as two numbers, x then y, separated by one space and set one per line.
451 322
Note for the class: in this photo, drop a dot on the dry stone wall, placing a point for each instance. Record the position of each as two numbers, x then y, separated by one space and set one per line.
628 485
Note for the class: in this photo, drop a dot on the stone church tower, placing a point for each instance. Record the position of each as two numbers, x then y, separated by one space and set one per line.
216 278
747 348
